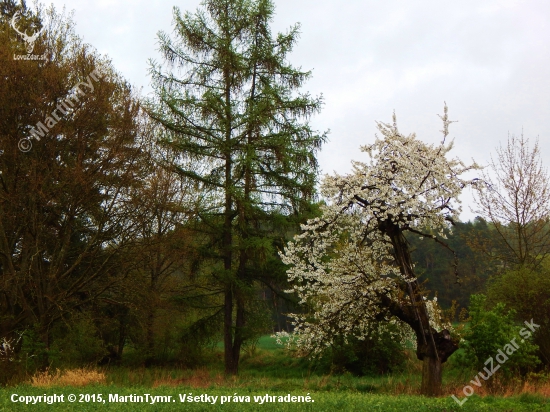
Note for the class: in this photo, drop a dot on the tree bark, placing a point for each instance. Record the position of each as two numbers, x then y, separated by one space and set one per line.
228 330
150 335
432 347
433 361
230 365
431 376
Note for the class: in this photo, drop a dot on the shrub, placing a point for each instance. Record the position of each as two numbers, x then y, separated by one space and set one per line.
76 343
34 353
528 293
489 331
378 354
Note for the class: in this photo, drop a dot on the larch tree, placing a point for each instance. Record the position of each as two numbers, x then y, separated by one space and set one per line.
236 109
353 267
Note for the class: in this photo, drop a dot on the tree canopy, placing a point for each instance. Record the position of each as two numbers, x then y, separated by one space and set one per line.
66 204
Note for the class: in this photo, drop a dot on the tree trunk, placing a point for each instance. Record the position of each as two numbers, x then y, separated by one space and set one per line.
150 335
233 337
432 347
121 338
431 376
230 365
43 359
239 338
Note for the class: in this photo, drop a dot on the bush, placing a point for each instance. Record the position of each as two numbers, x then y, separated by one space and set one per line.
490 333
34 354
76 343
528 293
379 354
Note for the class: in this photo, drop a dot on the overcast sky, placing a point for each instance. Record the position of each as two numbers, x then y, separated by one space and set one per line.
489 60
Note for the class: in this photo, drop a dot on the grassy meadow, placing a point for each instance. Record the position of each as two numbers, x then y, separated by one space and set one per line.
266 370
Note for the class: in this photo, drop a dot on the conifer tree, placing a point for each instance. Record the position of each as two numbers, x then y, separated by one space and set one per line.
235 107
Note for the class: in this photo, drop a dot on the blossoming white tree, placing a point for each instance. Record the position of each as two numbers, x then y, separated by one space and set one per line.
353 265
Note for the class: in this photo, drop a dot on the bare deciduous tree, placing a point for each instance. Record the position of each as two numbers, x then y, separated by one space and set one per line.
515 197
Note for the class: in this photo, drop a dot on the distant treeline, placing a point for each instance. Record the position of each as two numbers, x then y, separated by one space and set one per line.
477 247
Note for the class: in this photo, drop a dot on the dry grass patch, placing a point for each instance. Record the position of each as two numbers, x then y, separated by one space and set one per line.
534 385
70 377
200 378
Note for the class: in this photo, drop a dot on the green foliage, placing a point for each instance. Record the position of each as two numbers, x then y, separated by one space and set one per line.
435 263
236 109
528 293
181 344
490 330
181 339
76 343
379 355
34 353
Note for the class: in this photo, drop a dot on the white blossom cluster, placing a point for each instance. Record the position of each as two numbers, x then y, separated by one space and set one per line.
436 316
7 348
343 266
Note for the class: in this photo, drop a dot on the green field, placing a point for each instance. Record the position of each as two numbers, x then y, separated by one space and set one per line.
321 401
267 369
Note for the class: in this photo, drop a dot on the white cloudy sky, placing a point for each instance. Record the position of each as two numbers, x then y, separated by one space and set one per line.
488 59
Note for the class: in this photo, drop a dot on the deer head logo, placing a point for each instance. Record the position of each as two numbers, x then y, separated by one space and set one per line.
28 39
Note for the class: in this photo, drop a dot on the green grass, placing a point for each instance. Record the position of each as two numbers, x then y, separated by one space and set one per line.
268 343
323 401
268 369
